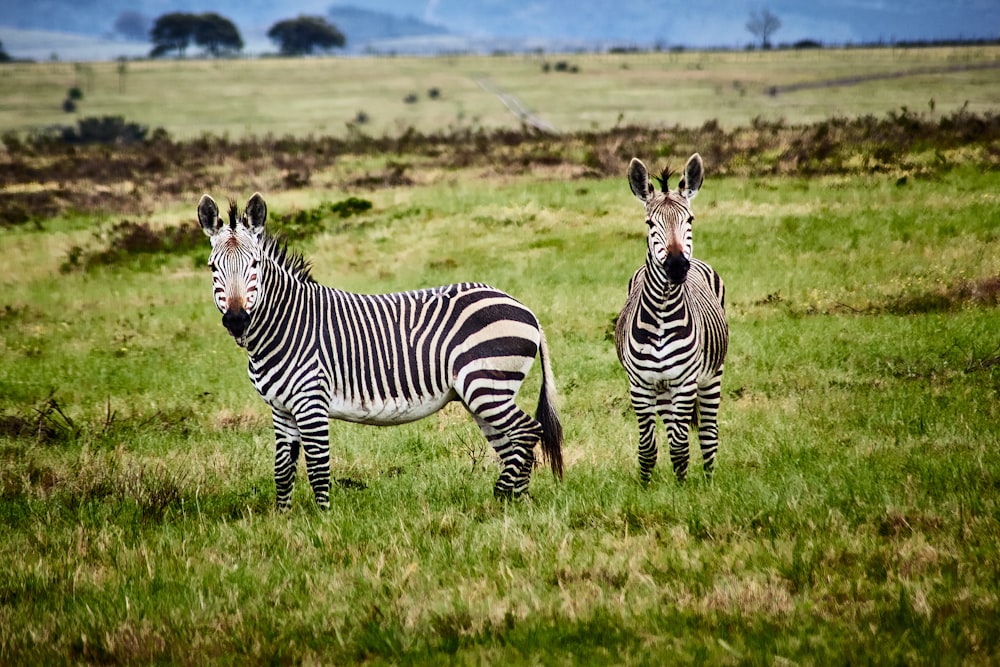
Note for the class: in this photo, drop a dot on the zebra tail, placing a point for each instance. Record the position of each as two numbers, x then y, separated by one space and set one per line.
552 435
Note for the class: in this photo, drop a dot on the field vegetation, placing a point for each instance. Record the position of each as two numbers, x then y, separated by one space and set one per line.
855 512
572 92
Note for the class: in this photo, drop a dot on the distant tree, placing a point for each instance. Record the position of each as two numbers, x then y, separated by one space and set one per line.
296 37
4 56
762 25
172 32
133 25
216 34
807 44
176 31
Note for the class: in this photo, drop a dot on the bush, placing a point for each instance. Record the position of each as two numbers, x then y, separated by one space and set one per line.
127 240
306 223
105 130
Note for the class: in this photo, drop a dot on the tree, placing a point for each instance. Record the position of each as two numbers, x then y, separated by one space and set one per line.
175 31
300 36
216 34
133 25
4 56
172 32
762 25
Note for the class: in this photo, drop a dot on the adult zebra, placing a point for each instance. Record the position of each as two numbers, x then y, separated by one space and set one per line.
672 334
316 352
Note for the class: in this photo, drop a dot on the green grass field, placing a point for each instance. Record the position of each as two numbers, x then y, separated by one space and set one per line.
854 516
321 96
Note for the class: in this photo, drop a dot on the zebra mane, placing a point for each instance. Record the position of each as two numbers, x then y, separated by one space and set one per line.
663 178
234 214
291 262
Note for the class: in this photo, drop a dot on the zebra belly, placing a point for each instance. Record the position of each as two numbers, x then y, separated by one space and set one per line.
389 411
382 411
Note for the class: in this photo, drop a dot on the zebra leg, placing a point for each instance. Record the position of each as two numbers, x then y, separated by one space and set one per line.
678 426
286 456
314 426
513 433
502 446
488 393
644 403
709 397
518 458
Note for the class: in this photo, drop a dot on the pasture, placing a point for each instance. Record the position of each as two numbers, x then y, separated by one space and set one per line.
325 96
855 512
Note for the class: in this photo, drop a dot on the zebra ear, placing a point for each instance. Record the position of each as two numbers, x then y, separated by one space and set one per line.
638 180
208 216
256 213
694 176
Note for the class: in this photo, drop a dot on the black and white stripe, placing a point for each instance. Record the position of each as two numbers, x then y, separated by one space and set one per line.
672 335
316 352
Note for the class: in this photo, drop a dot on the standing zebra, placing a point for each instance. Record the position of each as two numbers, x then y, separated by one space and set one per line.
672 335
317 352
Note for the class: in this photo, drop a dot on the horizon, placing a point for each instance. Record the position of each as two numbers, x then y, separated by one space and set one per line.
59 46
403 27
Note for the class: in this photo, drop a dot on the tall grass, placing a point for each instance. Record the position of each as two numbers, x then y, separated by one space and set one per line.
853 517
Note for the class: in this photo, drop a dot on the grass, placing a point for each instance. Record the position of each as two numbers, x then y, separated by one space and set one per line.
854 514
324 96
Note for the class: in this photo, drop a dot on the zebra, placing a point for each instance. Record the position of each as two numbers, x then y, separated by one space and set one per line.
672 335
317 353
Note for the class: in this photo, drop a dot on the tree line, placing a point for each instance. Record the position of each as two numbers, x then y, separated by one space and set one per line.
218 36
175 32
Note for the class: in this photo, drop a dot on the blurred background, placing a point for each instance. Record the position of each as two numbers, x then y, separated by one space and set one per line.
77 30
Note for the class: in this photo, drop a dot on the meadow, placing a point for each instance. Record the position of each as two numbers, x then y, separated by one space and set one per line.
571 92
855 512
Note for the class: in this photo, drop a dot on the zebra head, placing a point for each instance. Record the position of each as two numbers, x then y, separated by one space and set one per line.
668 214
235 259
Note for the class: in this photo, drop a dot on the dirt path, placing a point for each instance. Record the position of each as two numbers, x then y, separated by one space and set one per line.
516 107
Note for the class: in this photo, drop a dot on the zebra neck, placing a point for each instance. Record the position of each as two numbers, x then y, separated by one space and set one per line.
657 290
279 299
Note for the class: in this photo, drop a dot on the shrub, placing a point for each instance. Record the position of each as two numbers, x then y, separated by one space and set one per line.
105 130
127 240
309 222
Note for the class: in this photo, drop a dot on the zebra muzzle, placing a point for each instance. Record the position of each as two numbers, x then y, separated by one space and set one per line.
236 322
677 268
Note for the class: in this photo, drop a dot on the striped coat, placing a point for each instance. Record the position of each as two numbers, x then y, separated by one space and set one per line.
317 353
672 334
